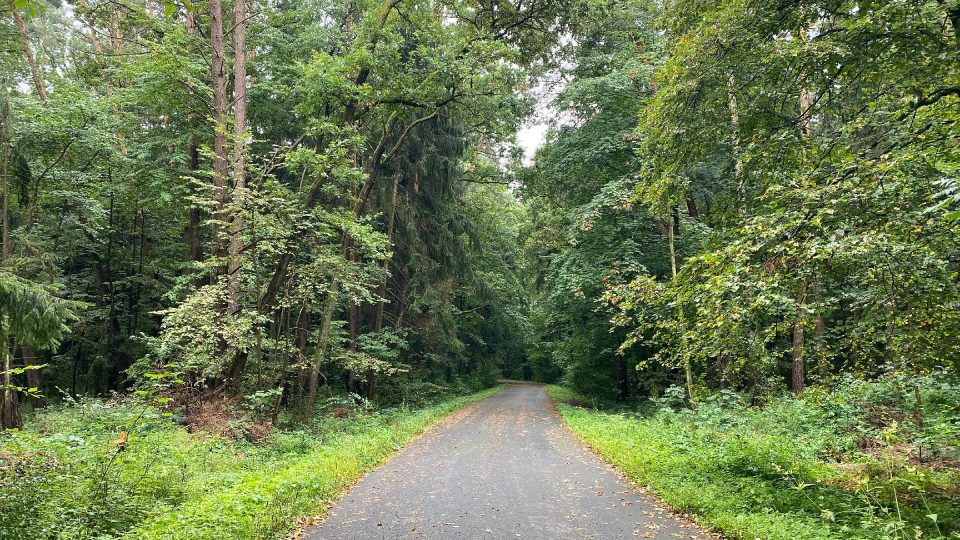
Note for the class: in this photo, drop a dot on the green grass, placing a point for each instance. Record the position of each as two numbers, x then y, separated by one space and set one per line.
787 471
61 478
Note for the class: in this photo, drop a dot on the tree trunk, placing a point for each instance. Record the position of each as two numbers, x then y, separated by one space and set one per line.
353 318
221 168
194 240
798 368
391 217
34 376
735 137
667 229
378 313
622 379
10 404
692 207
321 349
918 407
821 325
28 51
239 151
5 248
300 341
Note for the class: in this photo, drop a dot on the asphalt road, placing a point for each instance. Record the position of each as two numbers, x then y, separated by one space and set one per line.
506 467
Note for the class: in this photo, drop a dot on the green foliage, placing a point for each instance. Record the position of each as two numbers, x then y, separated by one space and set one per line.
32 314
63 478
841 462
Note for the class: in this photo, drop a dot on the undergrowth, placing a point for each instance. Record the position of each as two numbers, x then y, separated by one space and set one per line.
845 461
71 474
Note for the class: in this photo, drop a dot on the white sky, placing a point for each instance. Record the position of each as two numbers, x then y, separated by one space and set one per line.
545 90
530 137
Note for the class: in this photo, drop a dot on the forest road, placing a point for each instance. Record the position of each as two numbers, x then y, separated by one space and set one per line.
505 467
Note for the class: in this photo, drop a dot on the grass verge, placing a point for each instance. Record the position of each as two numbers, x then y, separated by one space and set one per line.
64 478
771 473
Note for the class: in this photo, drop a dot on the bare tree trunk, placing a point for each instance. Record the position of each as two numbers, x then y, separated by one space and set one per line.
28 51
239 151
6 248
692 207
221 167
623 379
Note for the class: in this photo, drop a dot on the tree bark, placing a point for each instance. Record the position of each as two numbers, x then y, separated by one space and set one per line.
221 168
6 248
918 407
194 239
10 404
239 151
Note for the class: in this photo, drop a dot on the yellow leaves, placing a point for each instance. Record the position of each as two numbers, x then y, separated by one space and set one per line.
121 441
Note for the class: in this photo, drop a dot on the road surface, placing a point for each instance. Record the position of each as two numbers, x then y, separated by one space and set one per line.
506 467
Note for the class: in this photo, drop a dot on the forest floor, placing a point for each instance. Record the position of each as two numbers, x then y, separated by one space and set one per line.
506 467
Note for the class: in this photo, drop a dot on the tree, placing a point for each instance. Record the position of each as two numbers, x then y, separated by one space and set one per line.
28 314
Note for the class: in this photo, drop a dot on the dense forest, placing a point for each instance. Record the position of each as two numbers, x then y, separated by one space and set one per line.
282 224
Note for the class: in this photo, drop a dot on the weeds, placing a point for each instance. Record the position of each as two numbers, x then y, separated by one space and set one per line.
168 483
841 462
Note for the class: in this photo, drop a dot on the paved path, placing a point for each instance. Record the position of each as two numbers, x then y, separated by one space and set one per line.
507 467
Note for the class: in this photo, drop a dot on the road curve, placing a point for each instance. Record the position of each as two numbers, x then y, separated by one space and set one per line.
506 467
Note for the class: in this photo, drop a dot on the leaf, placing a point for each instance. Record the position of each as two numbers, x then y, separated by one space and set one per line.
120 441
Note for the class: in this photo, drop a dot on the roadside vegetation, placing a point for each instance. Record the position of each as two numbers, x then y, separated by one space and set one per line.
259 228
247 249
843 461
744 251
111 469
